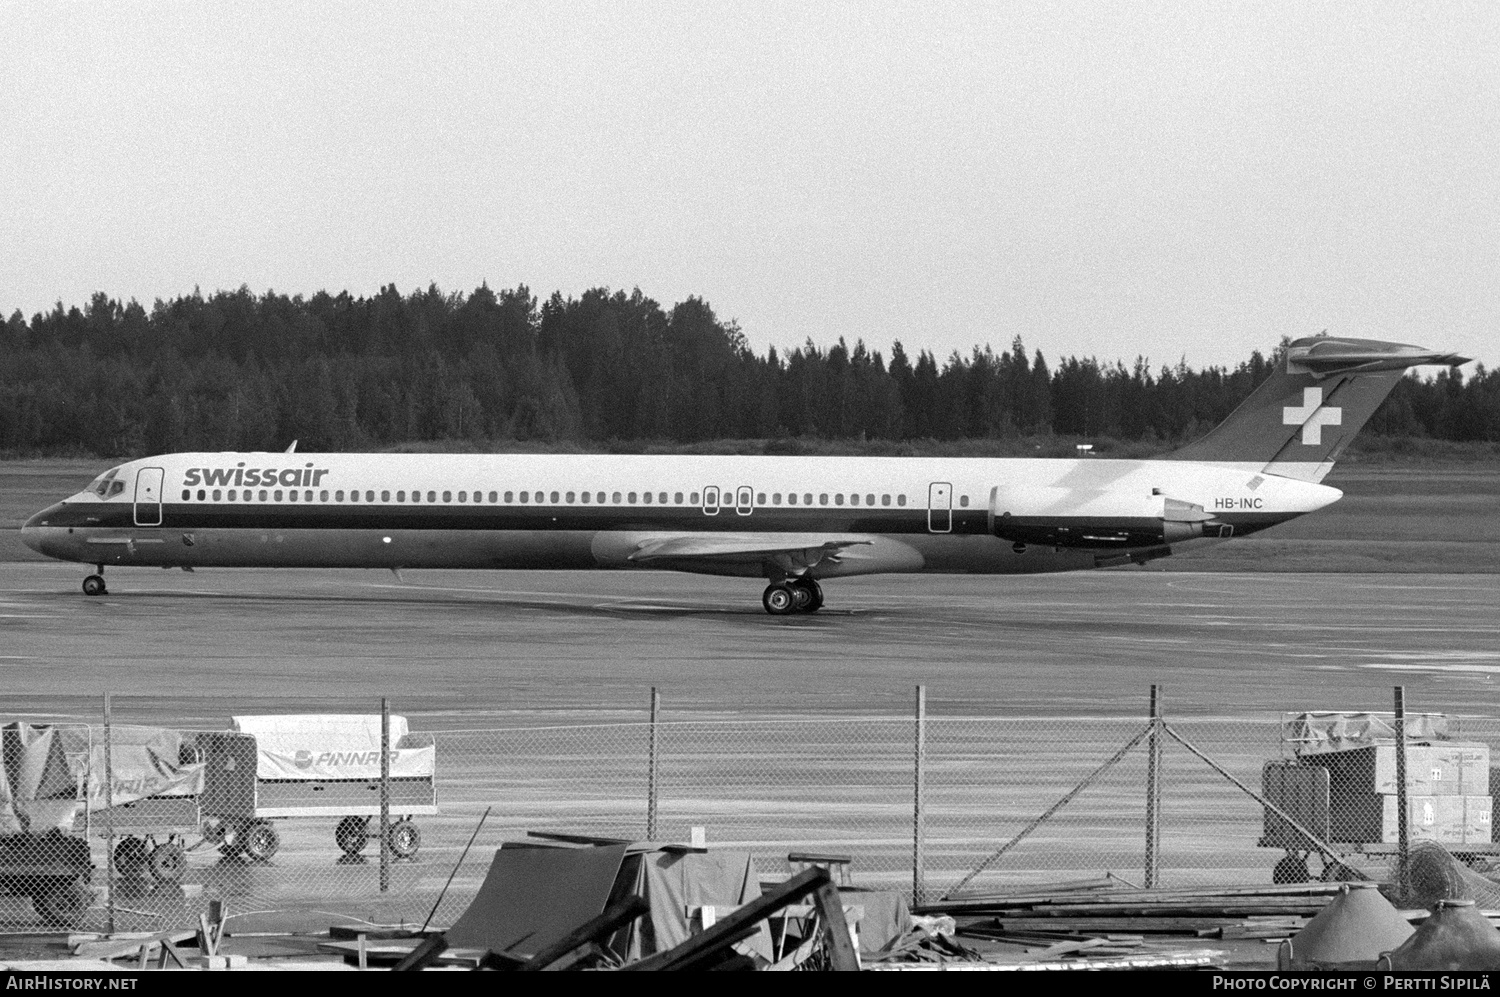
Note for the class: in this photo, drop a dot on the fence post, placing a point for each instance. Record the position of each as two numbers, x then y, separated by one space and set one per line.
1153 790
1401 800
385 794
918 817
109 819
652 786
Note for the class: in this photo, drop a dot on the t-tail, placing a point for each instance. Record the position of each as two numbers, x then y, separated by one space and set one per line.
1298 422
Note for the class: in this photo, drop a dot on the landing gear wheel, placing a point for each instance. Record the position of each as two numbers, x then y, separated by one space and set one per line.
130 859
815 591
63 902
778 599
94 585
1291 869
404 839
260 840
809 595
168 862
801 599
351 834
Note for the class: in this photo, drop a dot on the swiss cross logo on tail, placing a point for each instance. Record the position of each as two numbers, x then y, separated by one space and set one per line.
1311 416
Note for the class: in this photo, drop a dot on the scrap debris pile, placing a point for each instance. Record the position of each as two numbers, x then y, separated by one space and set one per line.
1101 923
570 902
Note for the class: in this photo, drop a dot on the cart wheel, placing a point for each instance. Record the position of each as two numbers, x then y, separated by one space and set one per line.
404 838
260 840
131 859
351 834
63 902
1291 869
168 862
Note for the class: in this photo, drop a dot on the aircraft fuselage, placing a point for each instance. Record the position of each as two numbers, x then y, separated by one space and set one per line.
996 516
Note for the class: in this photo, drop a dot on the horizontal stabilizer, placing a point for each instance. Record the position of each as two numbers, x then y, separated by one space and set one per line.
1327 356
1298 421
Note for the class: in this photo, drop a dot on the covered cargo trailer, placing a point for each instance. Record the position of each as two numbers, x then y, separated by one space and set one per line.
1340 785
314 765
151 804
38 802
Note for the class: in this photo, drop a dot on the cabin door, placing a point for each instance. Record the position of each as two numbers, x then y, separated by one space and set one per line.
940 507
148 497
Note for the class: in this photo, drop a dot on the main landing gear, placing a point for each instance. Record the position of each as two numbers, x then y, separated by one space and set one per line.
794 595
94 584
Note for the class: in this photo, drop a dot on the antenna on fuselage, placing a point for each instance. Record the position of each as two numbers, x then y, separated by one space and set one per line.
292 448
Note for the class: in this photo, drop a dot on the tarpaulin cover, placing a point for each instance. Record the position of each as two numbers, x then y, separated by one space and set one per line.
37 791
672 882
533 896
144 761
1315 733
334 746
886 916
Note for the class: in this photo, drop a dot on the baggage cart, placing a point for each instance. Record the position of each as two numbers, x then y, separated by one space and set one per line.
157 778
270 768
1340 785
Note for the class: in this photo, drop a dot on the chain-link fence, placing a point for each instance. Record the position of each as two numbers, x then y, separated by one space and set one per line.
938 806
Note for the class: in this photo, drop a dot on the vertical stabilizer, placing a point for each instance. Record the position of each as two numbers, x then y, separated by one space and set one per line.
1298 422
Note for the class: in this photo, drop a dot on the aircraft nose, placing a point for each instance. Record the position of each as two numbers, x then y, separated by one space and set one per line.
34 528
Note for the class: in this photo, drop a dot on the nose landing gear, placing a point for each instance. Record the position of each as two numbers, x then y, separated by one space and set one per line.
94 584
793 595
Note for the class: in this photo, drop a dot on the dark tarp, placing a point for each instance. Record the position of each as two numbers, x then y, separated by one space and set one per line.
144 762
533 896
673 882
886 916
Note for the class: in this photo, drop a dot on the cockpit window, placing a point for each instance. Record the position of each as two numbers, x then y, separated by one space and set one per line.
101 485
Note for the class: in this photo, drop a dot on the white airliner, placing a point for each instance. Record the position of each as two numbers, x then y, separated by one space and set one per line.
791 520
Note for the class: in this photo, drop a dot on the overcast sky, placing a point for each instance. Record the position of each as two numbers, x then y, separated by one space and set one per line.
1175 180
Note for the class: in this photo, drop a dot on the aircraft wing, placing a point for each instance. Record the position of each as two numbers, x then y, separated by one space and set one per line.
790 551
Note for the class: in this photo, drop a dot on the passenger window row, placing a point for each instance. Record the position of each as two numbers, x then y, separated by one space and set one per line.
823 498
528 497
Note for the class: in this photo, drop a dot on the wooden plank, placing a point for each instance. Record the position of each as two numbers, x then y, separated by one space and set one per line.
674 847
595 929
1042 894
699 950
821 858
113 948
841 952
392 952
576 839
348 933
1142 910
207 944
422 956
1059 949
1083 925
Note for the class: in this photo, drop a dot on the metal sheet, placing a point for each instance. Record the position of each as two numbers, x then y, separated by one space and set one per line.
533 896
